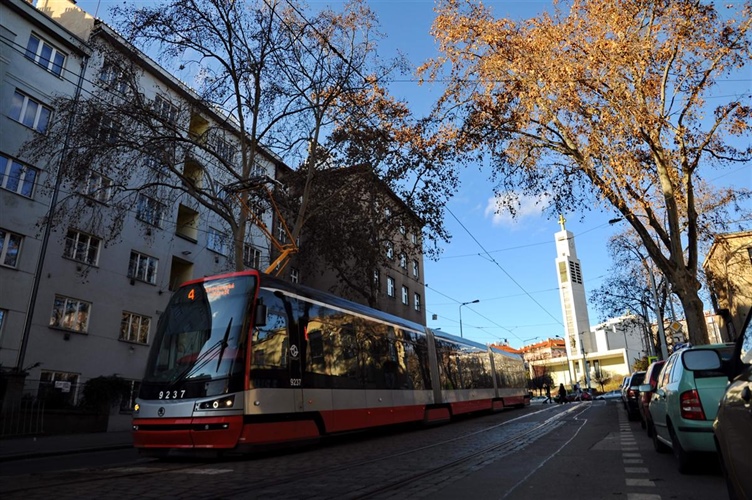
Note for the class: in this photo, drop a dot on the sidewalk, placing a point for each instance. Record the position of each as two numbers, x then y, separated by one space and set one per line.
45 446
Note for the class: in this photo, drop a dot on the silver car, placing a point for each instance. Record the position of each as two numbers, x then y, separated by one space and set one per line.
733 423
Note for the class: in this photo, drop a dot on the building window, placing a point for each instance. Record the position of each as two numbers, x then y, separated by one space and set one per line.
574 271
223 148
257 170
58 389
10 247
17 177
82 247
30 112
402 229
405 295
416 302
294 275
113 77
106 129
143 268
281 232
45 55
149 210
403 260
165 109
376 279
98 187
251 256
3 315
217 241
70 314
127 403
416 269
414 238
389 250
135 328
390 286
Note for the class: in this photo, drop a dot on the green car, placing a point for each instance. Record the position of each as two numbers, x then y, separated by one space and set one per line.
685 402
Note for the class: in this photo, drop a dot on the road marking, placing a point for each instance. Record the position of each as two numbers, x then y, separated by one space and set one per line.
639 482
631 456
636 470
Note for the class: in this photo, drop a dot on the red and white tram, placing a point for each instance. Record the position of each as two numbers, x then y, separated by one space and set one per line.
244 360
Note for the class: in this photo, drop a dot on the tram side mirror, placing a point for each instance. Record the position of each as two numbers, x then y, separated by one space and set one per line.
259 318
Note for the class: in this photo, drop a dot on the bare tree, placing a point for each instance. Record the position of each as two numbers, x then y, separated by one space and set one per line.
605 105
274 79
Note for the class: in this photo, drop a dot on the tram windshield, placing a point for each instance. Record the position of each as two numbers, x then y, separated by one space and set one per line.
201 340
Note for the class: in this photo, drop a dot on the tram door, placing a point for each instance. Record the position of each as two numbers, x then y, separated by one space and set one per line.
296 350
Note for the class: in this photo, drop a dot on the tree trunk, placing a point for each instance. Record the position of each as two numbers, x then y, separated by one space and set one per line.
697 329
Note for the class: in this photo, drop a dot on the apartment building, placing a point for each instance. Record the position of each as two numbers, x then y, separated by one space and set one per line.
77 300
389 273
95 301
728 267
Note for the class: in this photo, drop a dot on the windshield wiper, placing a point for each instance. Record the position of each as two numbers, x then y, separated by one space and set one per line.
224 344
199 363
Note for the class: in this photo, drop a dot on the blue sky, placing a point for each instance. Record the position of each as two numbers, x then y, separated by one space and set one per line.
507 265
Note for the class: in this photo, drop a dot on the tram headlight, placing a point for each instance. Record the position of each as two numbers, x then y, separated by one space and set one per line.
218 404
136 408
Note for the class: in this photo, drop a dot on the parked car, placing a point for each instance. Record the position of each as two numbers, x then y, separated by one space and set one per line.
610 395
733 424
632 394
623 390
646 392
685 402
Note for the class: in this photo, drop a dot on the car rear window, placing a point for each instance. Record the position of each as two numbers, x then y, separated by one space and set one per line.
637 379
725 353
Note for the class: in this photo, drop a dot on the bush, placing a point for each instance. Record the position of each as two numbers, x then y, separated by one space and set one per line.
102 393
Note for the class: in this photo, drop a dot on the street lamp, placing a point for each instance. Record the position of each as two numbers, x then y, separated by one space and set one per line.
566 353
464 304
584 362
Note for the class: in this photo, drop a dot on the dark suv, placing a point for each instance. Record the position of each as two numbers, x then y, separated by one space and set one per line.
646 392
632 395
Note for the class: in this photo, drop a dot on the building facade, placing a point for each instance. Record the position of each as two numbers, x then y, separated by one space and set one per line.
728 267
82 306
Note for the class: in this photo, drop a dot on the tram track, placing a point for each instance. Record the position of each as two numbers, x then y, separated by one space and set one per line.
289 474
481 455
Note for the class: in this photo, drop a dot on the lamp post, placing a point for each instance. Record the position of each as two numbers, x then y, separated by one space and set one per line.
566 353
584 362
464 304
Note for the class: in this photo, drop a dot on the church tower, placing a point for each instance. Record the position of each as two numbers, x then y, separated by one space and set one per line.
572 295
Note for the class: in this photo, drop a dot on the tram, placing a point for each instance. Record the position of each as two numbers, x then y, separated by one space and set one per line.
244 361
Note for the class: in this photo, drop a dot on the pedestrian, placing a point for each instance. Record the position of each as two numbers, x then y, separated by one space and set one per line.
562 394
548 395
577 392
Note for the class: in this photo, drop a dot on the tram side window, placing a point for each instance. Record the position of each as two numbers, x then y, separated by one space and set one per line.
477 367
499 369
415 361
449 375
269 345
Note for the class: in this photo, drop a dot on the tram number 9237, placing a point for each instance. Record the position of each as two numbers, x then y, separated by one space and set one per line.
171 394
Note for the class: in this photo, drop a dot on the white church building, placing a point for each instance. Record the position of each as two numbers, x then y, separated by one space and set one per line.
592 354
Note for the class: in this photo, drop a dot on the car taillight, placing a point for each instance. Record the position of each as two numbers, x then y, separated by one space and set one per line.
691 407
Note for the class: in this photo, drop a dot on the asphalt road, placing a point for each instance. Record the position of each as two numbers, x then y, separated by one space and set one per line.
578 450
